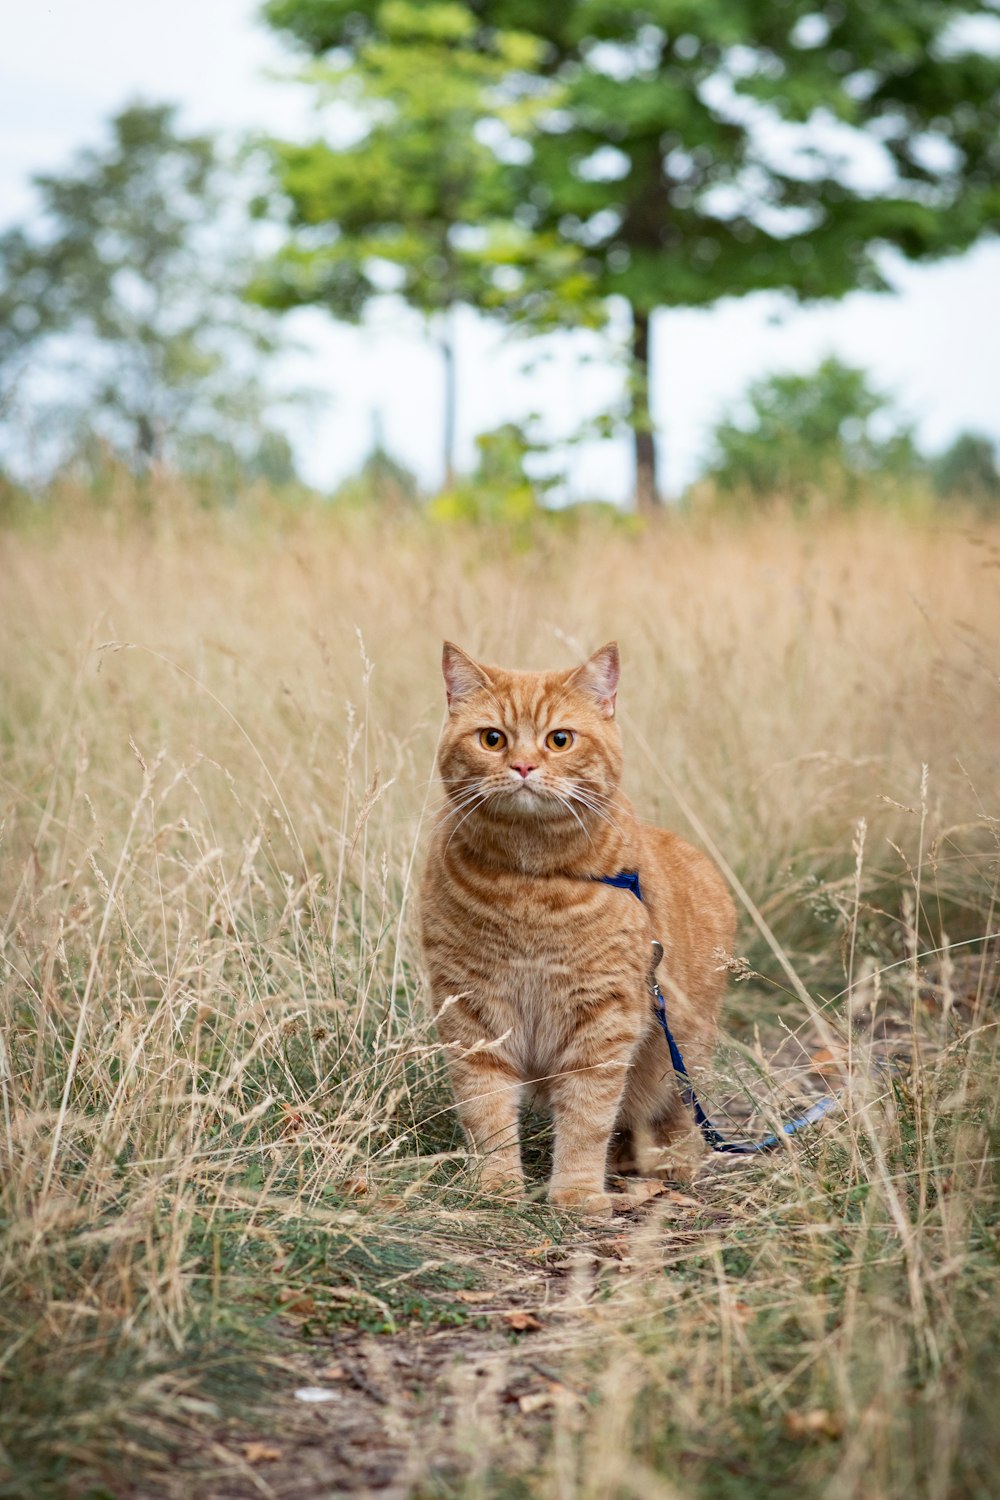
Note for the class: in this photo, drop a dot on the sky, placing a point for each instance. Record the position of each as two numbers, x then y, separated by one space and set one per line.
67 65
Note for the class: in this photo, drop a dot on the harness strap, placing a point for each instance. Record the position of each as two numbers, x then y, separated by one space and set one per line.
628 880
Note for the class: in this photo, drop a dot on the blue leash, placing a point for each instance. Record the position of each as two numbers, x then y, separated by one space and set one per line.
628 880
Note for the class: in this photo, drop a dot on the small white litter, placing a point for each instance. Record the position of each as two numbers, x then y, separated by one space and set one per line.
316 1393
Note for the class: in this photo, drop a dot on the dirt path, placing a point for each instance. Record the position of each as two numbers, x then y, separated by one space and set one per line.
364 1414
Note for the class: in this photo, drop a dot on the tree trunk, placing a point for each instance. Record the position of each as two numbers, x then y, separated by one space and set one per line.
147 445
450 398
647 493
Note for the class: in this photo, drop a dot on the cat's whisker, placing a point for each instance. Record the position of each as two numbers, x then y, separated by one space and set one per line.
456 788
467 806
590 794
464 796
595 802
593 806
476 803
565 802
601 815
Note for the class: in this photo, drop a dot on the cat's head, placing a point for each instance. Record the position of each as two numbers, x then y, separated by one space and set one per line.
530 745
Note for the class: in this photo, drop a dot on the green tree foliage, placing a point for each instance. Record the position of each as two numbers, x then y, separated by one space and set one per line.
121 316
968 470
420 203
823 433
500 489
698 149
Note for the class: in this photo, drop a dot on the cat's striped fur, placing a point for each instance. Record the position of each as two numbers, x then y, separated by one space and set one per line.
540 974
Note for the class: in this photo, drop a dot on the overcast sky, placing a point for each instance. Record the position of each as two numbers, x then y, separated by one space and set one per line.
67 65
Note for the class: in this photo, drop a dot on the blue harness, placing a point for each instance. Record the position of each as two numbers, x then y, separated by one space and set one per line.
628 880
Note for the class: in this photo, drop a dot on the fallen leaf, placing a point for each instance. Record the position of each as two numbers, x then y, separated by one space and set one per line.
293 1300
632 1192
539 1249
536 1401
260 1453
467 1296
522 1321
827 1064
816 1423
358 1184
197 1406
332 1372
672 1196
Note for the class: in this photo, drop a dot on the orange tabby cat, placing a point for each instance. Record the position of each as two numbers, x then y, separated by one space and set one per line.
540 974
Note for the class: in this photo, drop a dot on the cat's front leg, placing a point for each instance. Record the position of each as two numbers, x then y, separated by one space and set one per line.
488 1092
585 1102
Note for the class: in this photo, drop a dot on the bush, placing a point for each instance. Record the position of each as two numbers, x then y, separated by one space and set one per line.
381 480
968 470
828 433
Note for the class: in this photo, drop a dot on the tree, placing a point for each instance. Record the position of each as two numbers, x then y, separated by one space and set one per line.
968 469
826 430
381 480
709 148
122 301
419 204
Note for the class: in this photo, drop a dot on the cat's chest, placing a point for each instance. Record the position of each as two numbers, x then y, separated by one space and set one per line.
529 1001
541 1001
534 931
541 955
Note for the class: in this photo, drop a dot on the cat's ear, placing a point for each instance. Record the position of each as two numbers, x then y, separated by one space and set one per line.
462 675
598 678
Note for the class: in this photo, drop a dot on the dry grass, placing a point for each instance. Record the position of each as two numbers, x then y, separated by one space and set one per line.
223 1112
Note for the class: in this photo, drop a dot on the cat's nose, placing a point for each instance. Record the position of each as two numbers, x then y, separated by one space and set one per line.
524 770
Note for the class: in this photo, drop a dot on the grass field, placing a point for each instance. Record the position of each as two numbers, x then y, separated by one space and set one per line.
230 1165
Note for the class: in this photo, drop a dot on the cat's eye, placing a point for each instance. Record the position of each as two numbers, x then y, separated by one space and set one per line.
492 739
560 739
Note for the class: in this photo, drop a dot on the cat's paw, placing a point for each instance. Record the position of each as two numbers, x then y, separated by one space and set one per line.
588 1204
501 1184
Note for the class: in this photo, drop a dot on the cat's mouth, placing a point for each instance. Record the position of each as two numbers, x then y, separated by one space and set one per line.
527 786
527 797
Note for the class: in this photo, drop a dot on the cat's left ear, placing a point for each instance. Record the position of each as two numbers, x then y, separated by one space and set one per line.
598 677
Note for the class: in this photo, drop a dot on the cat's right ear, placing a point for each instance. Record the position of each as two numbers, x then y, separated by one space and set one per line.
462 675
